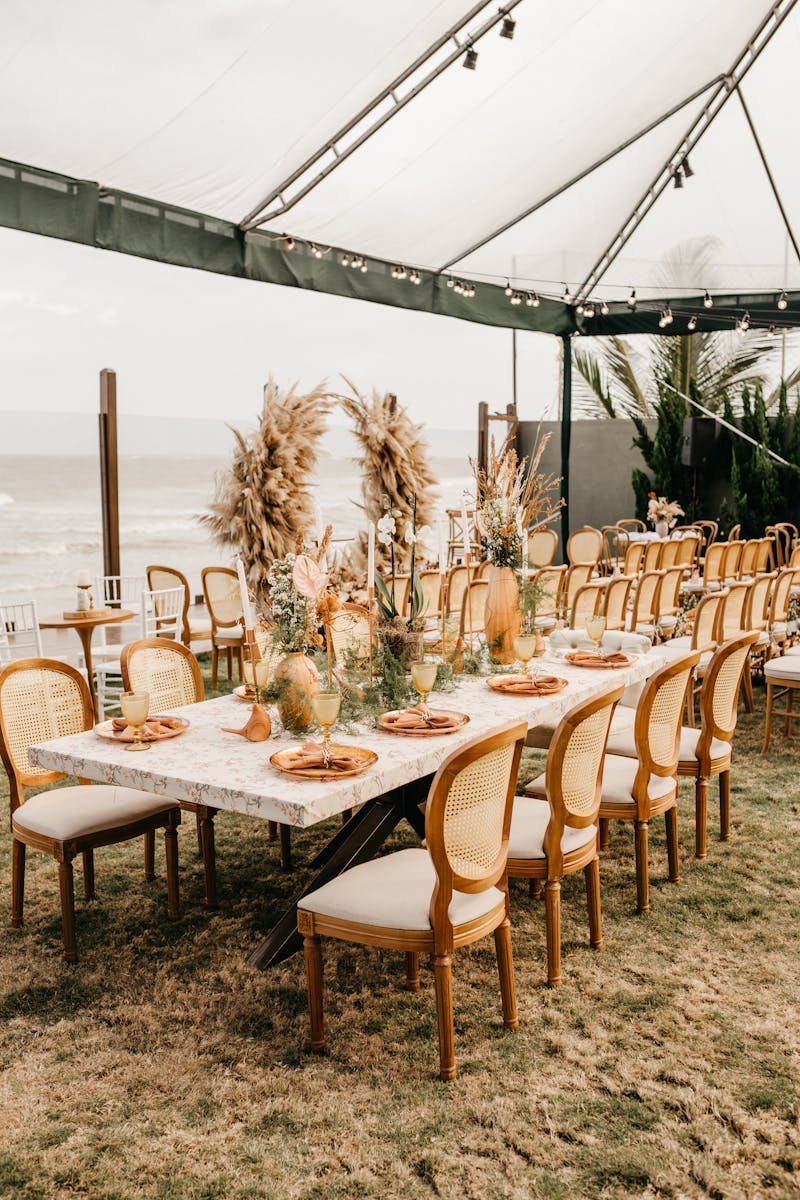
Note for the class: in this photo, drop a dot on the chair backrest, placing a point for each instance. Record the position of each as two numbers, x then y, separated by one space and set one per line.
734 533
120 591
40 699
482 569
168 671
473 608
549 581
162 613
348 632
542 548
576 576
633 524
668 600
719 694
764 559
779 600
402 590
644 604
456 587
749 557
757 614
731 560
712 563
785 536
585 603
794 560
669 553
733 611
615 543
706 616
222 596
652 554
688 550
708 531
467 819
633 558
574 774
615 601
584 546
159 578
20 636
431 584
657 728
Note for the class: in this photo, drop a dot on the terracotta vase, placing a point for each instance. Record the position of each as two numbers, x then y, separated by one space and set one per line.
501 614
299 681
662 528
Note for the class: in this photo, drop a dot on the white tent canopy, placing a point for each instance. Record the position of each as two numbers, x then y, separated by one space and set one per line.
213 106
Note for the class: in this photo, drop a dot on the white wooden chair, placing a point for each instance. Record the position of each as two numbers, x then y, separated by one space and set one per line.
161 616
20 636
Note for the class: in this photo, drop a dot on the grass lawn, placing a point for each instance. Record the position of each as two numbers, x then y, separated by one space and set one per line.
162 1067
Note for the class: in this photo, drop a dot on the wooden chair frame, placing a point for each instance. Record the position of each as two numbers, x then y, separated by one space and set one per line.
555 864
586 603
183 582
65 851
442 938
219 640
542 548
585 533
633 523
615 601
634 557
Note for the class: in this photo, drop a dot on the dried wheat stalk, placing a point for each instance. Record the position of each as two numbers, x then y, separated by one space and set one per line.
262 500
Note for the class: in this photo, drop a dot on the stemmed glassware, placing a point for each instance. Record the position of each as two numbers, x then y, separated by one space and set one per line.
423 677
256 676
525 649
325 705
595 628
134 707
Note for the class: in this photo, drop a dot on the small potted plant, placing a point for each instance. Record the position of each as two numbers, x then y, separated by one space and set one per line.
401 631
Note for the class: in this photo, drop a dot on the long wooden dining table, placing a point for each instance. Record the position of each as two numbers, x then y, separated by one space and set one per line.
207 766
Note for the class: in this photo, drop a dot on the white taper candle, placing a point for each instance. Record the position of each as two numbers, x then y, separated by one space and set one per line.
465 522
443 531
371 554
247 608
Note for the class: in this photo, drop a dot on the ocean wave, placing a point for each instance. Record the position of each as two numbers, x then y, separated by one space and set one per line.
5 499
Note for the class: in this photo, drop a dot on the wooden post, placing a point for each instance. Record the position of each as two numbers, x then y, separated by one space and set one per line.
109 474
483 435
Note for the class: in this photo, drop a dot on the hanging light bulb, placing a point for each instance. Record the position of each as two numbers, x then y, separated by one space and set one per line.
459 287
508 27
532 300
401 272
450 281
746 321
692 323
632 300
516 299
470 290
668 315
771 331
345 260
579 309
783 301
362 266
662 320
470 59
509 289
567 298
707 301
288 243
604 309
589 310
414 277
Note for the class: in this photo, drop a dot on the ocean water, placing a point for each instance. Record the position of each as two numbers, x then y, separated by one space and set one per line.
50 522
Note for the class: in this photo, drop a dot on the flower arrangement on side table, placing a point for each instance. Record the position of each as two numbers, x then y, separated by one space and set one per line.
662 513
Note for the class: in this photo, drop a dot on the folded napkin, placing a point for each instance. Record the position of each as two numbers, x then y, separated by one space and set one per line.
310 756
632 643
526 686
153 728
586 658
421 718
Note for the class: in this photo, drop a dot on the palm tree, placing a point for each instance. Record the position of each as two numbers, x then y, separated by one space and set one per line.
620 376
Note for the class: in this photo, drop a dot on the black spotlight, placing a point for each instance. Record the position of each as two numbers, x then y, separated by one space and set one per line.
677 178
508 27
687 170
470 59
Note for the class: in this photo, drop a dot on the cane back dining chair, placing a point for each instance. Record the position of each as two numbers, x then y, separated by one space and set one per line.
584 547
348 633
554 825
633 558
632 525
703 637
542 548
436 899
473 609
224 604
586 603
614 605
638 789
549 584
42 699
192 628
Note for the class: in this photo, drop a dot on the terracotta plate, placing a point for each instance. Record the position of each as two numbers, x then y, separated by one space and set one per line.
282 760
457 718
509 685
600 663
241 693
105 730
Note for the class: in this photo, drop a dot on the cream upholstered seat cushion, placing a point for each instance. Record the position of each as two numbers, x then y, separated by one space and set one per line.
782 670
73 812
394 892
618 775
621 741
199 629
230 633
529 820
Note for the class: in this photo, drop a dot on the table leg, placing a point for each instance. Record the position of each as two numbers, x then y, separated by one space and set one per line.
354 843
85 633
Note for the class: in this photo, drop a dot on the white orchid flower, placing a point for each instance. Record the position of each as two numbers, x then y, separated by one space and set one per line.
425 541
387 527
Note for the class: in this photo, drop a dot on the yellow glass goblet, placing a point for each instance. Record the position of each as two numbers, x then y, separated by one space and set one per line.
525 648
325 706
135 706
595 628
423 677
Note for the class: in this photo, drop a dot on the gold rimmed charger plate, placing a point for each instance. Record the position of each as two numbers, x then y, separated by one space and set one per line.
425 731
509 686
105 730
281 760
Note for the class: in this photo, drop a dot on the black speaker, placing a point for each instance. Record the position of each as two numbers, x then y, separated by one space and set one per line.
699 434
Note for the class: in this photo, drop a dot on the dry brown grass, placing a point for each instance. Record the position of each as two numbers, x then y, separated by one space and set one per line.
162 1067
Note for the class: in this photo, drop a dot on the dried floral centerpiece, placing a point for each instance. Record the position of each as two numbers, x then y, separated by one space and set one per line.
513 496
663 513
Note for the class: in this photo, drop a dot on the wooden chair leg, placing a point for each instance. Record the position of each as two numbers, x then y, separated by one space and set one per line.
285 834
207 842
214 665
88 875
768 719
641 849
229 656
787 724
312 952
240 662
171 848
412 971
535 889
604 825
17 882
272 830
150 856
552 912
199 828
747 688
700 817
66 885
673 859
443 978
505 969
592 875
725 806
347 814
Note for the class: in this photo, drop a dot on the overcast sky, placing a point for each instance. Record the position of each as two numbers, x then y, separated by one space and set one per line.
188 343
